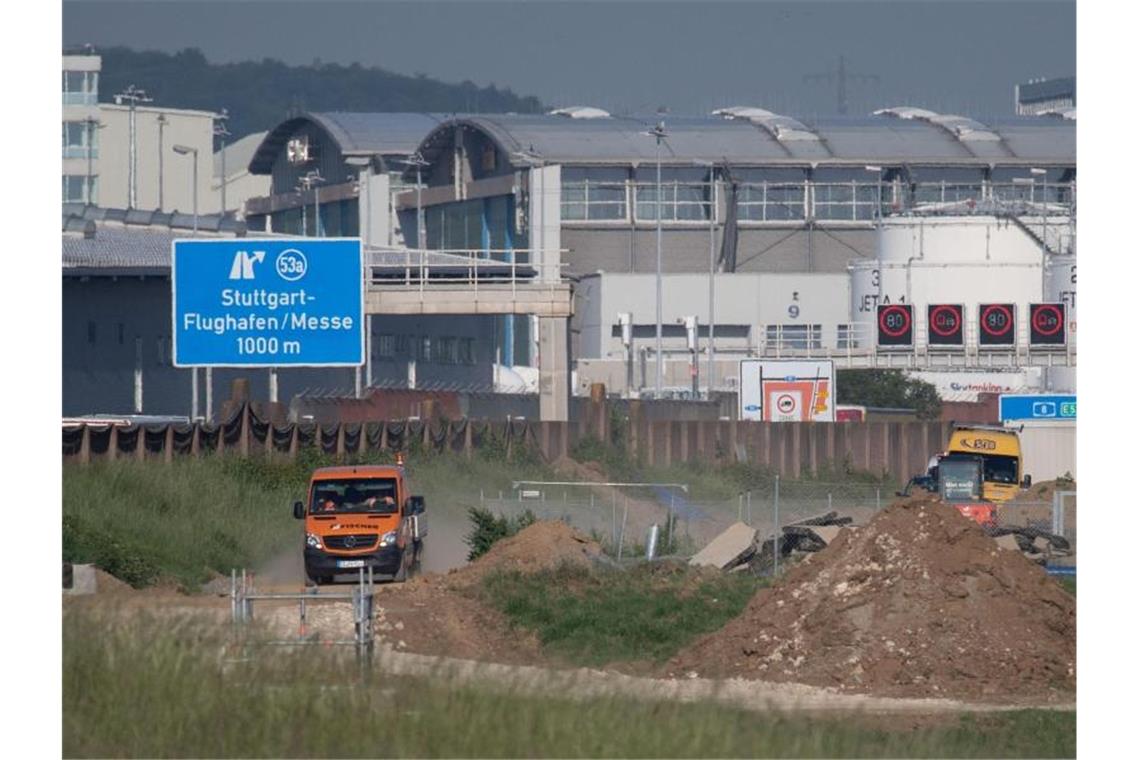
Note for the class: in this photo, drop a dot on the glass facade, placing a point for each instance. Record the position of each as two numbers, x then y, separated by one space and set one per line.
80 88
80 189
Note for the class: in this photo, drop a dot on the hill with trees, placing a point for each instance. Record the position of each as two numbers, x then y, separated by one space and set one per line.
260 94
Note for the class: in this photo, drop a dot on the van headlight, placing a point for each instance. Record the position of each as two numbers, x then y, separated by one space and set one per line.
388 538
313 541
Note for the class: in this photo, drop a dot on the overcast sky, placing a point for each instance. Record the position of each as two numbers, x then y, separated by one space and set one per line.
633 56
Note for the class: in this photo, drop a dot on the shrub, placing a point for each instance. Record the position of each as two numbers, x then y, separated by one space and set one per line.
487 528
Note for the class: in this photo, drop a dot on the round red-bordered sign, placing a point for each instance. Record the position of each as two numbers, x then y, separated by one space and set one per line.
1001 310
895 333
1048 308
947 332
785 403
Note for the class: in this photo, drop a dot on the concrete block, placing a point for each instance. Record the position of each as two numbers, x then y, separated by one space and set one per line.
82 580
826 533
728 548
1008 541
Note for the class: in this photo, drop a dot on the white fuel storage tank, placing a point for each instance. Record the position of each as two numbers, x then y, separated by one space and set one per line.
965 260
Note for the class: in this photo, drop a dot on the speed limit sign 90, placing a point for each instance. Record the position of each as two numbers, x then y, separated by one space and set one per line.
896 324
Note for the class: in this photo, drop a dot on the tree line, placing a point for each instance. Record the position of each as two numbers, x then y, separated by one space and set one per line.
260 94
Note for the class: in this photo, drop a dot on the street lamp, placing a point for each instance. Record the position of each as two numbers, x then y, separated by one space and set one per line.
712 269
91 125
133 96
1036 171
659 133
417 160
184 150
309 182
222 133
161 121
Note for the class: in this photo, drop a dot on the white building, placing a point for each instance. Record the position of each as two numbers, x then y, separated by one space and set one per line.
81 127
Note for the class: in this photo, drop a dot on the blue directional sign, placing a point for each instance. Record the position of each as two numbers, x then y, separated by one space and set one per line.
1036 407
277 302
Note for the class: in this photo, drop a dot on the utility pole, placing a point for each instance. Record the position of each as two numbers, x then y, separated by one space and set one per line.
222 133
133 96
840 76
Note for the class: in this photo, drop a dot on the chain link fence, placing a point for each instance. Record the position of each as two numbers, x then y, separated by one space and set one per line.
620 518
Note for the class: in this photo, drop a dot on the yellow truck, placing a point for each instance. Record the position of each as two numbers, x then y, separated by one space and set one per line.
1000 451
980 469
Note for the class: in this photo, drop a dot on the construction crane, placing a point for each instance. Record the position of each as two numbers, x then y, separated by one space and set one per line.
840 77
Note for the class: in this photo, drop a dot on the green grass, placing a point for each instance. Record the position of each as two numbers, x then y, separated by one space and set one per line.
147 522
166 690
595 617
1069 583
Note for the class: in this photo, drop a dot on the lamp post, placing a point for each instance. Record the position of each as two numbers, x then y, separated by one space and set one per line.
712 271
184 150
222 133
659 133
308 182
1036 171
417 160
91 125
133 96
161 120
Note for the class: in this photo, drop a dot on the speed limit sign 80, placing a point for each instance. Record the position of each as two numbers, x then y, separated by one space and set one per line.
895 325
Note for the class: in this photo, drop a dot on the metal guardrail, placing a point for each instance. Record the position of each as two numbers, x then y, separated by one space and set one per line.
361 597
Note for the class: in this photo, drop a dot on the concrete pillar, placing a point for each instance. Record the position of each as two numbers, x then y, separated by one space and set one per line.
85 445
553 369
246 431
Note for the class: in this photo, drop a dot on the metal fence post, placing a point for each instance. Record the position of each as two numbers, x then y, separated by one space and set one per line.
776 528
748 506
1058 514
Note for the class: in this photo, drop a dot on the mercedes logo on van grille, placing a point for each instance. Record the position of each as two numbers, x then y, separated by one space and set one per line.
349 542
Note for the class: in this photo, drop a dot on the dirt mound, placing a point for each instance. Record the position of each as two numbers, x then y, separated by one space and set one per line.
105 583
1043 491
542 545
919 602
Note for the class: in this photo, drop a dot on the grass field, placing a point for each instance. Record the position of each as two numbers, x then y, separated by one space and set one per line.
596 617
144 689
146 522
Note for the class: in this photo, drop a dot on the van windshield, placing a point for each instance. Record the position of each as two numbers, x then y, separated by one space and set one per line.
355 496
999 469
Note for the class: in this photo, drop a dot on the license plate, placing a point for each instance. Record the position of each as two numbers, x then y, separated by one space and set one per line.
350 563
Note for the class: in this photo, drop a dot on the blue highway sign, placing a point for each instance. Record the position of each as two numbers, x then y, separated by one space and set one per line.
1036 407
278 302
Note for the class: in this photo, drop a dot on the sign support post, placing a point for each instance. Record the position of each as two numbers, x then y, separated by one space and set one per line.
267 303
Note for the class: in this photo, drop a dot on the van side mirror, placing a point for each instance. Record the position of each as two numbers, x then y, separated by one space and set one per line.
1026 481
416 505
299 510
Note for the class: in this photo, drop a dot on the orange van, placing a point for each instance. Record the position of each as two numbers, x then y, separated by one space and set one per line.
361 516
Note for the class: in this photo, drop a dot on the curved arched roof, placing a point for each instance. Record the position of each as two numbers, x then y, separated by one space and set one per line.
356 134
753 138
